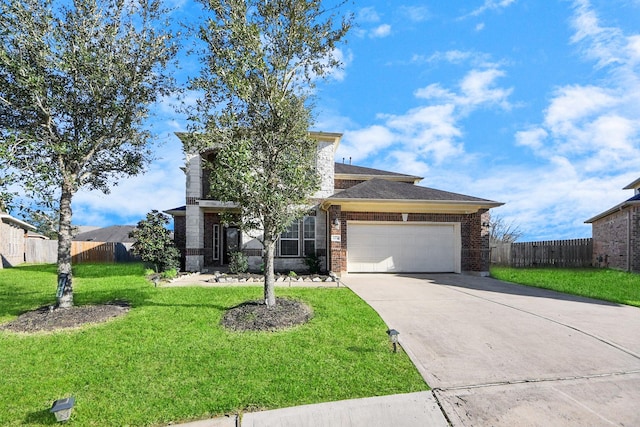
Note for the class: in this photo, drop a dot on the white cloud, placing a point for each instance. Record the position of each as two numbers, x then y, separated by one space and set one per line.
459 57
589 139
380 31
415 13
345 59
429 134
532 138
161 187
491 5
478 87
360 144
368 14
603 44
435 91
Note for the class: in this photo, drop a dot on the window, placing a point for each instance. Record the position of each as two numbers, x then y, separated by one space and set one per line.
289 240
216 242
299 239
309 235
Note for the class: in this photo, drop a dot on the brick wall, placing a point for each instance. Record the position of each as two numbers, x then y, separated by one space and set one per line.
615 240
474 235
343 184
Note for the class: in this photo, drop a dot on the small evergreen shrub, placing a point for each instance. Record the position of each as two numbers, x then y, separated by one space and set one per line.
238 263
313 262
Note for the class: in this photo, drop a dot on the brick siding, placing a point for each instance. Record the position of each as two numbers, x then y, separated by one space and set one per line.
343 184
615 240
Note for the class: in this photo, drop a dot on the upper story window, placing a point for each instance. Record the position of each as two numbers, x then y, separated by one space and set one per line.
206 175
299 239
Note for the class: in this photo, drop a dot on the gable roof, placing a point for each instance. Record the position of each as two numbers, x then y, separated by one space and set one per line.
347 171
633 201
179 211
381 195
113 233
634 185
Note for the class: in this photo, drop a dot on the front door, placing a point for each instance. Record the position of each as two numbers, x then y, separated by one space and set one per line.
231 242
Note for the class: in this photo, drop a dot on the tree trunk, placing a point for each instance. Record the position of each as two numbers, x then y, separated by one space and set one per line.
65 289
269 279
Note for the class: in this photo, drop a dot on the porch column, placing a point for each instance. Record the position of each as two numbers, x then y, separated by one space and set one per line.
337 240
194 229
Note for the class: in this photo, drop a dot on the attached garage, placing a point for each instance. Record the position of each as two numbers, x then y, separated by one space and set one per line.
401 247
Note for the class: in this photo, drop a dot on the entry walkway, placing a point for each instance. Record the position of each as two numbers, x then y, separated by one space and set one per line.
502 354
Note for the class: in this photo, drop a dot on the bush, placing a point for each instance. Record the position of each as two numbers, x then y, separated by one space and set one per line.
170 274
238 263
153 242
313 262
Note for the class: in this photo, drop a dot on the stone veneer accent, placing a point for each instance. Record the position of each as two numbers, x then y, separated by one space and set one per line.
616 240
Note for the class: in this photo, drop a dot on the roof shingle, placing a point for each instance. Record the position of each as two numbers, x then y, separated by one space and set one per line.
382 189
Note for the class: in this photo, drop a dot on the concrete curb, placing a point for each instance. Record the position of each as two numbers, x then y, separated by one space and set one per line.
399 410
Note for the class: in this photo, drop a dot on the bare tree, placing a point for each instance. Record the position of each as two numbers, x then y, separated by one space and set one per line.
503 231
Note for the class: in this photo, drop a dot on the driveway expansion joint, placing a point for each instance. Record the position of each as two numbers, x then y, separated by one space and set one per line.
534 381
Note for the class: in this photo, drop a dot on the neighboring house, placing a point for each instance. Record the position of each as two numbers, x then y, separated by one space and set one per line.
13 240
113 233
616 234
362 220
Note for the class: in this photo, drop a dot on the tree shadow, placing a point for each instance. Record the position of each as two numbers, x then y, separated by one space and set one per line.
489 284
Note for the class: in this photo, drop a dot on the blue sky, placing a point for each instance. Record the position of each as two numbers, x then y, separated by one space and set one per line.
533 104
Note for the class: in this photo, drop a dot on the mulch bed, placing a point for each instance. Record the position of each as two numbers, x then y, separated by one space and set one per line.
48 318
248 316
256 316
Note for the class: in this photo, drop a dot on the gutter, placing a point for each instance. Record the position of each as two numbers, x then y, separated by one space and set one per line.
8 218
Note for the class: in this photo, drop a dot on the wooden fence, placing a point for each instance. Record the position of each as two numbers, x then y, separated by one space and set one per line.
46 251
552 253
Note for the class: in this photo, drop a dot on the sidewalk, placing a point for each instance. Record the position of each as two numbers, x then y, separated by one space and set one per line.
398 410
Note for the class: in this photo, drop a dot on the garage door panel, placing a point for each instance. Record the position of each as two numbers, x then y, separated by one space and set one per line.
402 248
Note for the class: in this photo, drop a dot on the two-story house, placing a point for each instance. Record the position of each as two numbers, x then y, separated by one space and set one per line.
362 220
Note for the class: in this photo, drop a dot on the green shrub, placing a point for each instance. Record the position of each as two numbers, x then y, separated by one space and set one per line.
154 244
313 262
172 273
238 262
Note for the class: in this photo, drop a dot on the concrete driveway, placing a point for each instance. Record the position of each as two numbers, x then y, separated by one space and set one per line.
500 354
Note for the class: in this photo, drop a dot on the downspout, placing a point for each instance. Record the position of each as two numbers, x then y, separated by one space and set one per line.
327 236
629 240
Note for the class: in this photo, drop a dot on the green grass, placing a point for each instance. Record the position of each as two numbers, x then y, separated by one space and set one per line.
168 359
603 284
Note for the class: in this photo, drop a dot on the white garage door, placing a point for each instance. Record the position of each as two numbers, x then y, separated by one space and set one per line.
403 247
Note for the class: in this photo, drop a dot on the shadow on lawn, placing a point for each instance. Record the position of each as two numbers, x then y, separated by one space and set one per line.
40 418
151 303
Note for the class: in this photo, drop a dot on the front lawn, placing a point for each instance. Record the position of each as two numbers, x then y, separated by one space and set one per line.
608 285
168 359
